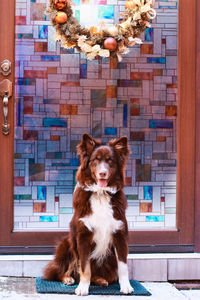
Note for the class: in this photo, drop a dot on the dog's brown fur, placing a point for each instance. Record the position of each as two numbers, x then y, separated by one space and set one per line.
72 257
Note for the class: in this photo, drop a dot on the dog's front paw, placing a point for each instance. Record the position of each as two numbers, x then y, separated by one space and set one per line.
126 288
82 289
68 280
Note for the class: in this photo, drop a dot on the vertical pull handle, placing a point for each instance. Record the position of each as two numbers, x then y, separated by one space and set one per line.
5 93
5 125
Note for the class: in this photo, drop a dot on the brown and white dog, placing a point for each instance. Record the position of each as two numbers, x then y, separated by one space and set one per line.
96 248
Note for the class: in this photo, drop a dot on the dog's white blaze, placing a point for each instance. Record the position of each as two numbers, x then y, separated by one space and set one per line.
102 168
102 223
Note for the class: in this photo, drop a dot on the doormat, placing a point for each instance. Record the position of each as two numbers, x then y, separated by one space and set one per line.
55 287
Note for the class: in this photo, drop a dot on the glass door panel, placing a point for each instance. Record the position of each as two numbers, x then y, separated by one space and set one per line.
59 95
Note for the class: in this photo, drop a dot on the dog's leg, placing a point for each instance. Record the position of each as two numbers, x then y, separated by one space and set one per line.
85 275
121 249
67 278
84 242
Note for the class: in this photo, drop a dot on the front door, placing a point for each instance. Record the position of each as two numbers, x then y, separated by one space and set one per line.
57 95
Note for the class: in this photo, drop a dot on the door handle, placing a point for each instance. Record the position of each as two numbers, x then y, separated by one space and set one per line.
5 93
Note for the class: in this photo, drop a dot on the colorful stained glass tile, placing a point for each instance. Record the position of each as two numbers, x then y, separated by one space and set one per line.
77 14
50 57
37 172
148 192
76 2
159 156
146 49
97 129
142 75
37 12
43 32
30 135
74 162
48 218
22 197
20 20
83 70
105 12
149 35
40 47
143 172
54 155
111 91
39 207
134 107
19 181
155 218
110 131
41 192
161 124
113 62
156 60
132 197
125 115
66 210
50 122
137 136
35 74
171 111
162 199
68 109
145 207
98 98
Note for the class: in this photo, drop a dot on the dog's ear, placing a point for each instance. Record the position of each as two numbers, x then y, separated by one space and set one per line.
85 148
121 147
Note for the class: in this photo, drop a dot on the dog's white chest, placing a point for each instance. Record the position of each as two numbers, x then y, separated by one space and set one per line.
102 223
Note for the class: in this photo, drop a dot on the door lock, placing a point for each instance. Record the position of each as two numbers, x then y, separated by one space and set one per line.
6 67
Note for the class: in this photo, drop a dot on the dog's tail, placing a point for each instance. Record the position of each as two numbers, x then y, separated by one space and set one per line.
55 269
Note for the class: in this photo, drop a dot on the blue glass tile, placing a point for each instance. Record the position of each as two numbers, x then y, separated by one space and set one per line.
83 70
125 115
156 60
50 122
155 218
74 162
76 2
48 218
110 131
50 57
149 34
41 192
161 124
43 32
19 113
105 12
50 101
148 191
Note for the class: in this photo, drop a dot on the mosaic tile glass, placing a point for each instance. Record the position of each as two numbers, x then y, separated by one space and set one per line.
59 95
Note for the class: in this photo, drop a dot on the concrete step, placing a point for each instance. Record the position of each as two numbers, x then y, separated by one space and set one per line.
143 267
24 289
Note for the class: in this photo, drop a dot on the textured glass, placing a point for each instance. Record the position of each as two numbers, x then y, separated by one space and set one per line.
59 95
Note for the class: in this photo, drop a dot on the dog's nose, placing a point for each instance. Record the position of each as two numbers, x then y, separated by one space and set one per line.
102 174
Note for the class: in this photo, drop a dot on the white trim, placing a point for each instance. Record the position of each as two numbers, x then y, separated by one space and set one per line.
130 256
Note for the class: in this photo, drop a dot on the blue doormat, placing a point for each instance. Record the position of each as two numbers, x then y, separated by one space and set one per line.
55 287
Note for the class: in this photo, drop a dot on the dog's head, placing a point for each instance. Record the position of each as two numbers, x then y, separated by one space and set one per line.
102 164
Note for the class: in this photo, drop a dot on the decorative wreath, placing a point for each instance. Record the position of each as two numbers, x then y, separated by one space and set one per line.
101 41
